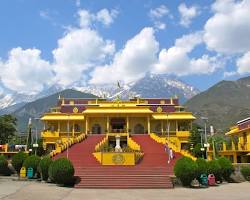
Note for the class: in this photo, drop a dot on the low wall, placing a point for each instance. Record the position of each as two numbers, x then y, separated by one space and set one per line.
112 158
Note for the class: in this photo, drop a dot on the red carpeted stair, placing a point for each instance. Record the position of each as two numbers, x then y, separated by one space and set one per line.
152 172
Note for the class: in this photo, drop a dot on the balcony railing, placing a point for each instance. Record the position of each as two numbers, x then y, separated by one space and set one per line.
48 133
182 133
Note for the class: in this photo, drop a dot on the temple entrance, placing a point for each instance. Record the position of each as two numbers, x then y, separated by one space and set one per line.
138 129
96 129
118 125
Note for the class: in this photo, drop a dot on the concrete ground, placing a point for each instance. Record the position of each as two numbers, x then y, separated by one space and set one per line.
21 190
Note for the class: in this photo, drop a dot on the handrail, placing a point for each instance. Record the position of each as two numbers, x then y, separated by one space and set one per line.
67 144
171 145
133 145
99 145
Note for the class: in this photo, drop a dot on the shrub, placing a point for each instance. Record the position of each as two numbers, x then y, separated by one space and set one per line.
62 171
202 167
226 168
44 167
33 162
186 170
214 168
50 173
245 172
17 160
4 169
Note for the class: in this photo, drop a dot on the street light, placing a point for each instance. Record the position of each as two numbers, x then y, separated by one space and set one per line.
201 130
36 145
206 145
202 148
68 137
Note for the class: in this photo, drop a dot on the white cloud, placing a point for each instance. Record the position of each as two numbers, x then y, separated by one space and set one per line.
25 71
106 17
77 51
103 16
159 12
243 64
228 30
176 60
156 15
159 25
130 63
187 14
85 18
80 49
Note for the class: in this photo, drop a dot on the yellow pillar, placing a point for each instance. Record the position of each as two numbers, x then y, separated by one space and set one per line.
248 141
87 125
127 124
149 125
224 146
161 127
73 129
58 128
233 145
234 157
107 124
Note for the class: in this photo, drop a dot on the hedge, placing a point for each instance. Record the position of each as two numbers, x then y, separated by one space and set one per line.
62 171
44 167
33 162
226 168
245 172
186 170
17 160
4 169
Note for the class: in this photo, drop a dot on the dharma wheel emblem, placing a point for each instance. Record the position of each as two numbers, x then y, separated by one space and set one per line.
118 159
75 110
159 109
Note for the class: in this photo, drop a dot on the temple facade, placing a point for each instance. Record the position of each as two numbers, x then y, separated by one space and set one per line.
73 119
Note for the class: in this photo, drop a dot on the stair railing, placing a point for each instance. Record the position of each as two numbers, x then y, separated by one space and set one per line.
164 140
100 145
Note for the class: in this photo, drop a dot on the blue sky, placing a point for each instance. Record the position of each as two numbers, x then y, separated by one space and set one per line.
98 42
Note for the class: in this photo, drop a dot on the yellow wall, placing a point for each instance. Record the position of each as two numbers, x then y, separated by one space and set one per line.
133 121
117 158
102 121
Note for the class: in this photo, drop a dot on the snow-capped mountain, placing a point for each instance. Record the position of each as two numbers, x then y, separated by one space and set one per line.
152 85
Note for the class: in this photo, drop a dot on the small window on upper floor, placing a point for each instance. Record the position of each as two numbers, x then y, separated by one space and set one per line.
71 102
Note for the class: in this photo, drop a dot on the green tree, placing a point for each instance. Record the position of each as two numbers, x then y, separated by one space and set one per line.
195 136
218 140
195 141
7 128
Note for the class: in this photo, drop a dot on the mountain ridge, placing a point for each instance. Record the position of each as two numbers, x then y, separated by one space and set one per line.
224 103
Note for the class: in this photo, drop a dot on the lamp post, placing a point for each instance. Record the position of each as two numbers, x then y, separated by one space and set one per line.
68 137
28 147
206 145
213 142
36 145
202 147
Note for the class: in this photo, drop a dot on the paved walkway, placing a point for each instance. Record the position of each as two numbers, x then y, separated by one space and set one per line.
34 190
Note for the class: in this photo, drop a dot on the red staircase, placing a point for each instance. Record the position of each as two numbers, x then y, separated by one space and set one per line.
152 172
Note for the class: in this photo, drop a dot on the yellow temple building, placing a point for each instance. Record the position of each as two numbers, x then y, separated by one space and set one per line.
74 119
238 151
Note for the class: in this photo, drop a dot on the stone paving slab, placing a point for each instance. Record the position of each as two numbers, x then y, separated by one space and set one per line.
26 190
